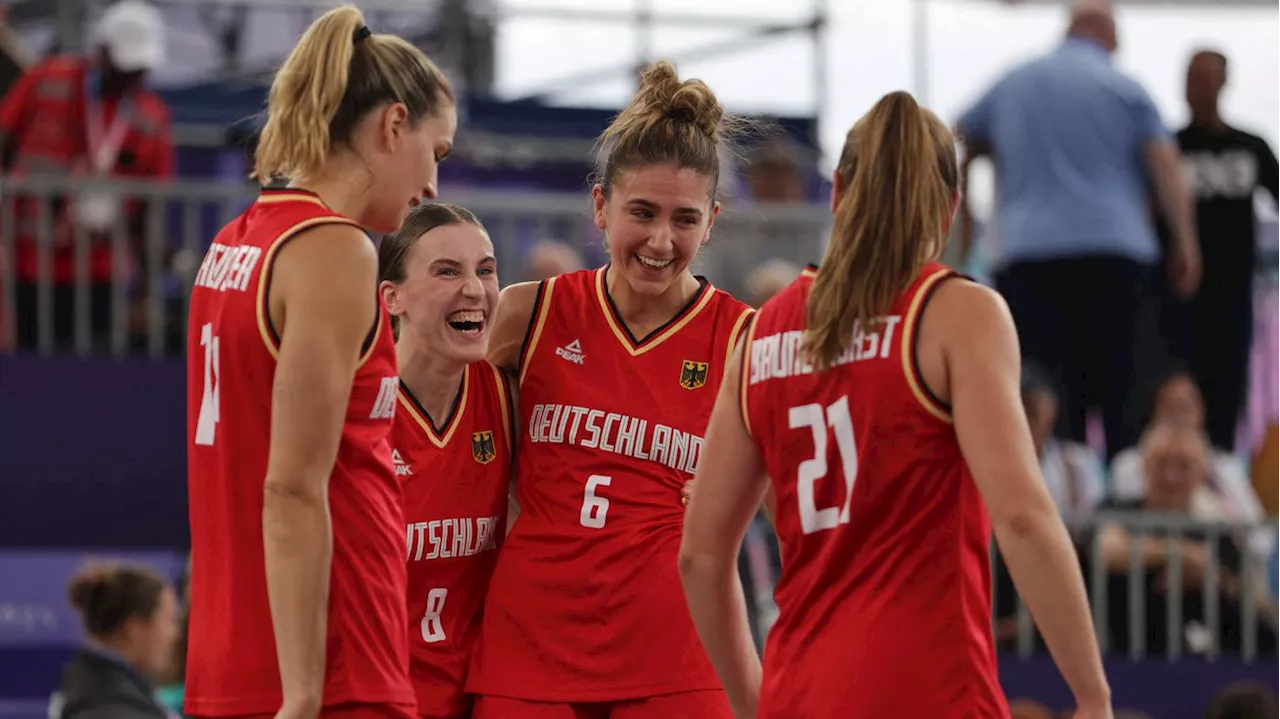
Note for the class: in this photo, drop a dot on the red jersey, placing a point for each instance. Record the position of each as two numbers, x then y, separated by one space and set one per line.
586 603
455 507
885 569
231 356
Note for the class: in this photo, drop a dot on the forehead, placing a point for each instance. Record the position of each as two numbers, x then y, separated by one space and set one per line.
459 242
443 124
664 185
1205 63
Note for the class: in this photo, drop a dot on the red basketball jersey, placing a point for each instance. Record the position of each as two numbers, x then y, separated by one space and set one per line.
455 482
231 362
586 603
885 596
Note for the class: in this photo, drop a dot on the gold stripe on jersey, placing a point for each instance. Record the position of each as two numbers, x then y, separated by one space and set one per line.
808 272
286 196
676 324
744 380
733 336
264 274
439 440
540 320
501 381
909 351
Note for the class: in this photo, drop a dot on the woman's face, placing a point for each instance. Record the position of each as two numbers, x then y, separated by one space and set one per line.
449 292
1178 401
407 171
150 642
655 219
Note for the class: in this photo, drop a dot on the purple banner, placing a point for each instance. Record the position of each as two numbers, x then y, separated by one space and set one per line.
92 452
1164 689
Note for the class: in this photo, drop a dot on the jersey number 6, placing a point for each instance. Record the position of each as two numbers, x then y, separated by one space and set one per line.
836 417
594 508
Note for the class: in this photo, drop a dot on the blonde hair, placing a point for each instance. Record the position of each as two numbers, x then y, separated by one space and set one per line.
899 170
333 77
667 121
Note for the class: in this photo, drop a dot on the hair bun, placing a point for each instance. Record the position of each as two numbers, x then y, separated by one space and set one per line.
663 95
87 587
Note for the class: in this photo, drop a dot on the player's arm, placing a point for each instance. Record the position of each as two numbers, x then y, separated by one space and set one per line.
322 302
731 484
980 348
514 317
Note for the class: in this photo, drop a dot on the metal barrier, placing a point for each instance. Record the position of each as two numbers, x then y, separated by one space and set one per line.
1231 597
142 263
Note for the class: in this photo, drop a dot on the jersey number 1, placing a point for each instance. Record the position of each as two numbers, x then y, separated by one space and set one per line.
836 417
207 423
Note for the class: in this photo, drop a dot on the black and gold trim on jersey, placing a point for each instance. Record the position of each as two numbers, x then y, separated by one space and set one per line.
636 347
439 436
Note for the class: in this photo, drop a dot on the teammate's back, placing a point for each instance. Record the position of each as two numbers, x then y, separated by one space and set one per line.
883 525
878 396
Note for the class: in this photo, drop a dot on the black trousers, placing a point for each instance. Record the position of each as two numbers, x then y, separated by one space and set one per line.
1211 335
1088 322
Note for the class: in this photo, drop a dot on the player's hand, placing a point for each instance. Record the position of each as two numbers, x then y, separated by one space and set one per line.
686 493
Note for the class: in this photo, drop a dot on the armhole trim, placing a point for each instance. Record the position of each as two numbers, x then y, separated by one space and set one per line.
270 337
537 319
745 378
910 336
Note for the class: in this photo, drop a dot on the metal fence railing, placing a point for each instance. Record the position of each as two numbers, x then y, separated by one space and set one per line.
121 288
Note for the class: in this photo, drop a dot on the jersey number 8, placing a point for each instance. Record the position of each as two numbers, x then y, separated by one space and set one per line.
432 627
836 417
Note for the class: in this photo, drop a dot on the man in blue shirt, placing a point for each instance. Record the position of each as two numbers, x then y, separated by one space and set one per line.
1076 145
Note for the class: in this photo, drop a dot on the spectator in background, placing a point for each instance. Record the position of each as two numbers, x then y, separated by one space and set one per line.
1174 469
1225 167
1244 700
1176 400
773 173
1071 470
90 118
1073 141
549 258
130 615
768 279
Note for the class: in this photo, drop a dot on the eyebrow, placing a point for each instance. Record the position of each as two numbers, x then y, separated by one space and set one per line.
455 263
650 205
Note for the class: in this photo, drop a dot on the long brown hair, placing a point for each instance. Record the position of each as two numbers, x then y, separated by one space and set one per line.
899 171
336 74
667 121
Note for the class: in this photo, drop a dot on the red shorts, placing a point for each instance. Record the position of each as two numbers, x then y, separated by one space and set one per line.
707 704
352 711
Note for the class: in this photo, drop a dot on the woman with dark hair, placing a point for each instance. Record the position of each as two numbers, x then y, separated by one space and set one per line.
130 616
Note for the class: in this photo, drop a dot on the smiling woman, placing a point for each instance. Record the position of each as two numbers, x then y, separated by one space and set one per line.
618 369
451 439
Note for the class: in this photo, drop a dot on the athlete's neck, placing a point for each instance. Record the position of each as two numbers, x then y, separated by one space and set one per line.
343 186
433 379
644 313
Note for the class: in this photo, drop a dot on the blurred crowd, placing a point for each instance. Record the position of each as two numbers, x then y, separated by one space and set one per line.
1135 313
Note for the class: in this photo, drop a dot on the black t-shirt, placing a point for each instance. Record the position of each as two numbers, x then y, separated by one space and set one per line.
1224 168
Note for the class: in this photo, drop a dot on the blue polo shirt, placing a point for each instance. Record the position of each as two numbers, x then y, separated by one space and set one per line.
1067 133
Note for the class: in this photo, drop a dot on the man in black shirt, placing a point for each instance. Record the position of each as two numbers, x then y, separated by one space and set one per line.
1224 168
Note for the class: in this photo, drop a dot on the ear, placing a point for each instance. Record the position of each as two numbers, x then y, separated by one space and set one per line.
391 298
598 200
837 190
715 212
394 125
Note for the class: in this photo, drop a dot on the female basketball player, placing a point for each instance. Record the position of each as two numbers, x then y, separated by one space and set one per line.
298 586
617 369
451 439
881 395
